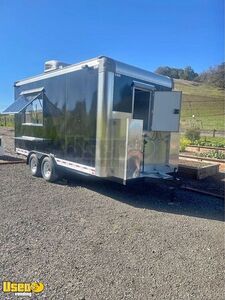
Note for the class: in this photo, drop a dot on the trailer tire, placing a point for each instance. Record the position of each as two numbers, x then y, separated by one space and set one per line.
48 169
35 165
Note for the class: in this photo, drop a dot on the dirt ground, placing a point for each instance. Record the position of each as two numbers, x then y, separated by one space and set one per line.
93 239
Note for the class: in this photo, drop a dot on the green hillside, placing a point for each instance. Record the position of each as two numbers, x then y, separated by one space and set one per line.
204 102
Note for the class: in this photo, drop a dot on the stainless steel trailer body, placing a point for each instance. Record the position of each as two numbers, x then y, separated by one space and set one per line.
99 117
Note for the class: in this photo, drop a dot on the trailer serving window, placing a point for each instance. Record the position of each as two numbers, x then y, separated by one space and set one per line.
29 105
33 113
142 102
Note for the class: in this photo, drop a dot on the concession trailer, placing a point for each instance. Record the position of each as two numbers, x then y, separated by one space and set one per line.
100 117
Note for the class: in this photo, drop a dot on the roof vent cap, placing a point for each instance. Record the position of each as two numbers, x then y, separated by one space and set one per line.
52 65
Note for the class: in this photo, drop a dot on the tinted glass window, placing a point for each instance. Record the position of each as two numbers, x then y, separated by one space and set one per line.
33 113
122 99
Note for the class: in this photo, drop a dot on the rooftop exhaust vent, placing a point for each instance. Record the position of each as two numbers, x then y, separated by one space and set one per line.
52 65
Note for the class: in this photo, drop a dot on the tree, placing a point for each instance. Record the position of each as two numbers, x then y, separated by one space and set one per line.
214 76
186 73
189 73
163 71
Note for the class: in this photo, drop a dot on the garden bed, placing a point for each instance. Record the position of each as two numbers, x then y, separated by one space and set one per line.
196 169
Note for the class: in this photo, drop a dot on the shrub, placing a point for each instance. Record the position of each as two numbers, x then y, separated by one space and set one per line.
193 134
184 142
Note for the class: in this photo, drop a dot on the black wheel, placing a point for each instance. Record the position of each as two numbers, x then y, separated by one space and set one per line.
48 169
35 165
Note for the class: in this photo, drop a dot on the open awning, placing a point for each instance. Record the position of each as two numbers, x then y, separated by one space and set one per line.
19 104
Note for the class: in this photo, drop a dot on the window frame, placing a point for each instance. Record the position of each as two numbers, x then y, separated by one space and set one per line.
144 87
41 95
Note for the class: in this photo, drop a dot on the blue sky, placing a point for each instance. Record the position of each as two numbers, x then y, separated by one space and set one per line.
145 33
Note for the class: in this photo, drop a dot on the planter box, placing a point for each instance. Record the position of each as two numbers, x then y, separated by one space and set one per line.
197 170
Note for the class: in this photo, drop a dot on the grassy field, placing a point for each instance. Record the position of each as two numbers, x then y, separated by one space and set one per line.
204 102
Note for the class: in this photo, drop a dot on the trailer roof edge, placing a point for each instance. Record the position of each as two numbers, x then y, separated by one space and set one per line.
108 63
73 67
137 72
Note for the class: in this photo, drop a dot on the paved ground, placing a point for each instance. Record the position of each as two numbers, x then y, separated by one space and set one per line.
98 240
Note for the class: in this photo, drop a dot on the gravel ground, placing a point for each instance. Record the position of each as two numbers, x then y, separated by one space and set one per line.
99 240
7 135
89 239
